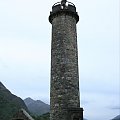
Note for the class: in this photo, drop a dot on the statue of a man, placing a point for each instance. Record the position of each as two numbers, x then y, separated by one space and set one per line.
63 3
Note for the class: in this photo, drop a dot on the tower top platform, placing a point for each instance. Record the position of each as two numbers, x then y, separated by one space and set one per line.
63 7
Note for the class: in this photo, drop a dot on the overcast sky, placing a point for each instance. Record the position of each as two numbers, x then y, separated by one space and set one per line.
25 45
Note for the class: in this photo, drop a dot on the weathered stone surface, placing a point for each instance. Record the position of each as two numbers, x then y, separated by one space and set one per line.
64 93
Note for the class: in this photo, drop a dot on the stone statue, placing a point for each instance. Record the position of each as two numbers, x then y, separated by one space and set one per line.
63 3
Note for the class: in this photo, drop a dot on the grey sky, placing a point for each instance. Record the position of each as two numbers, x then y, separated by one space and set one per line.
25 39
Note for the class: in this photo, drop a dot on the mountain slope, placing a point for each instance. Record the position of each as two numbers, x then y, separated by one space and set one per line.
116 118
9 103
36 107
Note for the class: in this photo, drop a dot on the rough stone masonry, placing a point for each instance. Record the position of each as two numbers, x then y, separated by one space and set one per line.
64 90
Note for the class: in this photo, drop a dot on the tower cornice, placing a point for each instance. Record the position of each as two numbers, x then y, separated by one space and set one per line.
59 9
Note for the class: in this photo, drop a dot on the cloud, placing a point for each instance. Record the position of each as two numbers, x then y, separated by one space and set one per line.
3 64
84 102
115 107
23 52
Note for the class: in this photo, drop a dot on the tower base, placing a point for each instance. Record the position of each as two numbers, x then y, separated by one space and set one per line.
75 114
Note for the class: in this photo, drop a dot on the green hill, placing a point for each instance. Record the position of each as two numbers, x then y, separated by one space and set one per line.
9 103
45 116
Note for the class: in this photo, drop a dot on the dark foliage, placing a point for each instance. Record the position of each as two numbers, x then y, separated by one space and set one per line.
42 117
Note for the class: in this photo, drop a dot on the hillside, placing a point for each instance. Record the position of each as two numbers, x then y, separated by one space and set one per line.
116 118
9 103
36 107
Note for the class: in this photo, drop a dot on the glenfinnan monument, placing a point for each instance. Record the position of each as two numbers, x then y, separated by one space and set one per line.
64 91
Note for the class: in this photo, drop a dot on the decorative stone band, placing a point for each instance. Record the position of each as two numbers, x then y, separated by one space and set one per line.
57 9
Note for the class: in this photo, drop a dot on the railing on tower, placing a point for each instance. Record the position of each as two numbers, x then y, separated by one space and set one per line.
63 7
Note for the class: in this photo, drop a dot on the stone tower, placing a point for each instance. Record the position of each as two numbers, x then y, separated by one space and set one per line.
64 91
